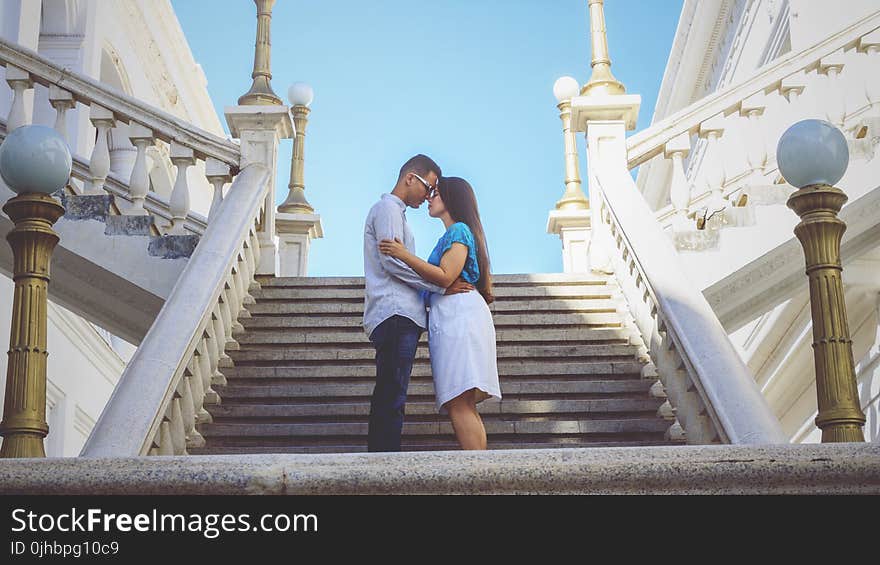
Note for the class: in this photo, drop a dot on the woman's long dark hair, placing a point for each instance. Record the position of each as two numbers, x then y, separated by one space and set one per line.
461 203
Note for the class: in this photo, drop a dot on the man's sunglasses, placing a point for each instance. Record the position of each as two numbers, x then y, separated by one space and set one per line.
430 190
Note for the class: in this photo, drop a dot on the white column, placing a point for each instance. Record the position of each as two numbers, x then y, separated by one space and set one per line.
260 129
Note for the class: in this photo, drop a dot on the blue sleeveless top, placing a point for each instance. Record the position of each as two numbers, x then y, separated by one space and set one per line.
459 232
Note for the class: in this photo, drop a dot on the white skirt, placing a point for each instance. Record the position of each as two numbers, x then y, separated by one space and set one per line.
461 338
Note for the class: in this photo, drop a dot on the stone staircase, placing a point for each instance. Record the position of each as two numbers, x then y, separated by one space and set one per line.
569 364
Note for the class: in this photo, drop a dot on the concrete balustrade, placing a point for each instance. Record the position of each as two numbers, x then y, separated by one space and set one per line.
747 119
146 126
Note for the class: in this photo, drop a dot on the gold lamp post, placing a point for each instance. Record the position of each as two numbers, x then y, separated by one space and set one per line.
261 90
34 162
301 96
574 198
601 81
812 156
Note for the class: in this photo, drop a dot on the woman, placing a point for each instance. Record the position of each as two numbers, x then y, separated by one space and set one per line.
461 335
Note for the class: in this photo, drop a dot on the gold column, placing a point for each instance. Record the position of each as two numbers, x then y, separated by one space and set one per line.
574 197
601 81
296 198
261 90
840 418
32 240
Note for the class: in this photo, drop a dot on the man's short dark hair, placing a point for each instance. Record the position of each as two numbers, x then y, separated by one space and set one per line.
420 165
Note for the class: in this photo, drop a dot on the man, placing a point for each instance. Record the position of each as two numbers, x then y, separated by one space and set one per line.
394 313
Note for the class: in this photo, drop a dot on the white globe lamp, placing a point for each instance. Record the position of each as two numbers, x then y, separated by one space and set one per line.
35 159
812 152
300 94
565 88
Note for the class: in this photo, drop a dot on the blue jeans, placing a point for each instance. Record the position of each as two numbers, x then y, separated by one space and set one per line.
395 340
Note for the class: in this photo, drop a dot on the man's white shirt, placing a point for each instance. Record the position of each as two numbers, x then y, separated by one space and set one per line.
392 286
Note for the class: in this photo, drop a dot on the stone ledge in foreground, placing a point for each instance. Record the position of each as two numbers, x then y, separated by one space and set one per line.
781 469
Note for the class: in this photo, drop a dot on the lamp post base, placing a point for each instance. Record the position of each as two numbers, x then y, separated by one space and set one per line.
32 240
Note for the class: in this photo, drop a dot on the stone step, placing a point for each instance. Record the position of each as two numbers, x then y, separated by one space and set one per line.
487 408
356 308
288 355
545 387
498 280
422 368
578 426
556 321
356 336
593 291
438 445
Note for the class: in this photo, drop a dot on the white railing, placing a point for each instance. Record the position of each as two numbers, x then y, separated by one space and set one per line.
162 394
720 148
147 127
713 393
154 204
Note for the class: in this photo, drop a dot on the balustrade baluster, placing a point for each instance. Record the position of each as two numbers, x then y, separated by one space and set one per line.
188 410
248 256
217 173
752 108
220 335
792 87
226 314
182 157
206 372
166 443
217 377
870 46
19 81
834 101
197 386
869 130
178 435
234 305
241 290
680 190
139 184
62 101
713 163
99 165
247 276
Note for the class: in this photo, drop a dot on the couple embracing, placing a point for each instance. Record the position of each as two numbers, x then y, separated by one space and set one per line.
448 295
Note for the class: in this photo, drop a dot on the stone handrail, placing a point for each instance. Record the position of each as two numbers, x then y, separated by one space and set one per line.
162 393
651 141
711 389
88 91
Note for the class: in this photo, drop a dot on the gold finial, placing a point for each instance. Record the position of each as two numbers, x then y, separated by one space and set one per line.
261 90
601 81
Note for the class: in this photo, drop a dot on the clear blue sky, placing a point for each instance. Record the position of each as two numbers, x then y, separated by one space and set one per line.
467 82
